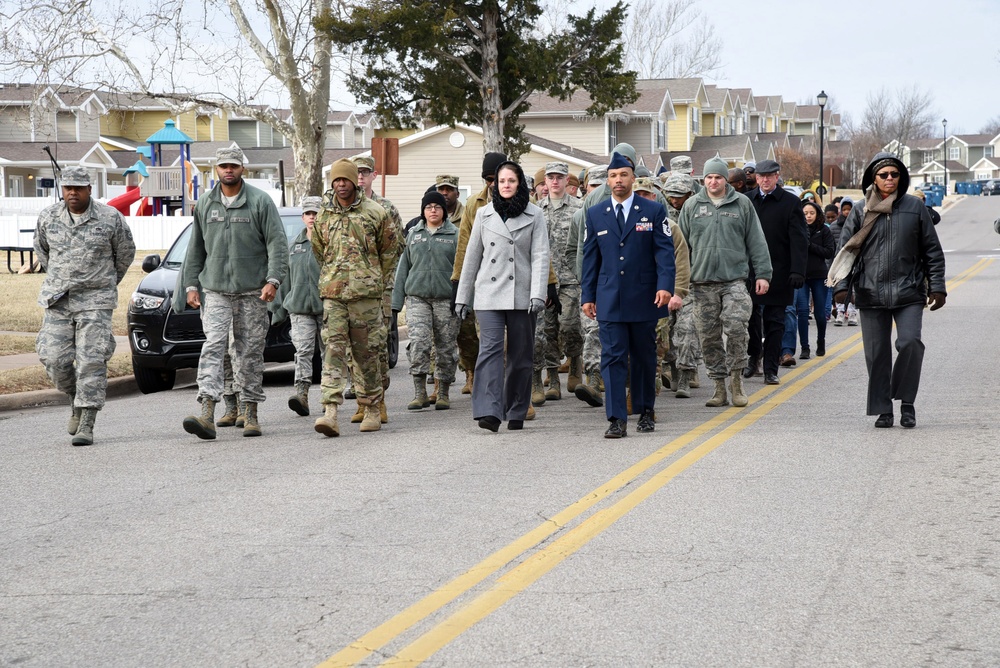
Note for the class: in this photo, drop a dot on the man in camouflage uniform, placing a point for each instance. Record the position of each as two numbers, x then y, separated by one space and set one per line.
85 247
298 298
447 185
560 331
366 177
357 247
723 239
237 256
589 390
685 348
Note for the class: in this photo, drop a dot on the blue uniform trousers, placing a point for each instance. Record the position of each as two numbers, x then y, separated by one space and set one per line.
628 358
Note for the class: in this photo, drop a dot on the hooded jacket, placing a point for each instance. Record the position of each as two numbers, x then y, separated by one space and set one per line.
902 260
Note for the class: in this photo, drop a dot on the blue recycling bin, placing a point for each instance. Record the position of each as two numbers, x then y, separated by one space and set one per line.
962 188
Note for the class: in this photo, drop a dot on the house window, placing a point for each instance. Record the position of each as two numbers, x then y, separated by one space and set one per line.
954 152
695 129
732 125
983 176
928 157
988 152
760 123
612 135
661 135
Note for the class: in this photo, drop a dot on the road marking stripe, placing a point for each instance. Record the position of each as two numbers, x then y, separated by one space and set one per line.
534 567
388 631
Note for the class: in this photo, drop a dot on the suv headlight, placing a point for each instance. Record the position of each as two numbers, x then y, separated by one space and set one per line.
144 302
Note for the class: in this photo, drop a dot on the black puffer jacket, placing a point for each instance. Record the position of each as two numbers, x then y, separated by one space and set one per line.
902 260
821 249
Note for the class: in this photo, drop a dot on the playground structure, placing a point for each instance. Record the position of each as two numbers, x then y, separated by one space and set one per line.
170 188
126 202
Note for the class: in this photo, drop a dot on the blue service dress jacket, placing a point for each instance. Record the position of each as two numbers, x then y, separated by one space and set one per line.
623 269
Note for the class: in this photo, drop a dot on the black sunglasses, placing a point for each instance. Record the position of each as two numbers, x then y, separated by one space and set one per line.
887 175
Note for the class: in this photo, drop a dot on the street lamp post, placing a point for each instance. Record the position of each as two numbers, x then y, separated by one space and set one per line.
944 154
821 98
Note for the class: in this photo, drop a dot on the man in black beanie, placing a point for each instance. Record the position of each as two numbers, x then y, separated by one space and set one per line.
468 339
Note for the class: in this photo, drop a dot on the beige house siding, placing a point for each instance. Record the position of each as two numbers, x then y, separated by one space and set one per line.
334 136
638 134
584 135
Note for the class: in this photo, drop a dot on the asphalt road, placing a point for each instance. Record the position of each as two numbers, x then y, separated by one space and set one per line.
789 533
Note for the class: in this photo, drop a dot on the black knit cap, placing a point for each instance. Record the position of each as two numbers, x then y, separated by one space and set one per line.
433 198
490 163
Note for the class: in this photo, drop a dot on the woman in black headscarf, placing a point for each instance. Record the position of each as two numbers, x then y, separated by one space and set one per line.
506 267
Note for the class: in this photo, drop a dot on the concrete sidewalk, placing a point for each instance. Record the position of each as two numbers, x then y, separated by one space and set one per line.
8 362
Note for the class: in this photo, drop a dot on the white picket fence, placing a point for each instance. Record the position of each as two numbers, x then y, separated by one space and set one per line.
149 232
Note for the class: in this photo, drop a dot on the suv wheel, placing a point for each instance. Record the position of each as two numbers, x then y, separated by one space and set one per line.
153 380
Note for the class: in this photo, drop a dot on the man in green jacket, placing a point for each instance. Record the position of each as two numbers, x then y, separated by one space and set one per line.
723 235
238 256
298 298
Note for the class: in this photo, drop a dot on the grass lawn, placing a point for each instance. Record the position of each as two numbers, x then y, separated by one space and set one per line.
14 344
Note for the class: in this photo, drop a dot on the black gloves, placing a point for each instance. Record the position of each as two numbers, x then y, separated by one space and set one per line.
796 281
937 300
552 300
454 296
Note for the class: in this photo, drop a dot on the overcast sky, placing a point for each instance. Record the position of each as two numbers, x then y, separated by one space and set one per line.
851 47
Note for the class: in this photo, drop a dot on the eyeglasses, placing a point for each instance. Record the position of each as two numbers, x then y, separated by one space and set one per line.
887 175
433 207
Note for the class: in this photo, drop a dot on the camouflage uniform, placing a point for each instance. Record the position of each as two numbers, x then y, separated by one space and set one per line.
591 350
548 345
722 308
246 314
684 346
357 248
431 320
85 260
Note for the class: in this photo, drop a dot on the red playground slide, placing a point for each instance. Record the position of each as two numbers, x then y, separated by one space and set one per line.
125 201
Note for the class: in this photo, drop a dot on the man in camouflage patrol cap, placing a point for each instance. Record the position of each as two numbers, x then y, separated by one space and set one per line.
447 185
238 256
366 178
85 247
357 247
560 331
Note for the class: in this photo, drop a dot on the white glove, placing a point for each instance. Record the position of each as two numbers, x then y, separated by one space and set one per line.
537 306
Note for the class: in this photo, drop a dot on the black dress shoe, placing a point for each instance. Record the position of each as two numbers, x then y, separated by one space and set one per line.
617 429
884 421
820 349
646 423
771 379
490 422
750 369
907 416
515 425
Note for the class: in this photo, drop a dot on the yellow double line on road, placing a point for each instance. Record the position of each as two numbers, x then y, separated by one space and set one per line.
530 569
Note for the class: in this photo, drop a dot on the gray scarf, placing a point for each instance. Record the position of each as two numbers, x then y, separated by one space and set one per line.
875 206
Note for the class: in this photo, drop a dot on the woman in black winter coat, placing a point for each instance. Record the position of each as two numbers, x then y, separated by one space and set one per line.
821 249
892 258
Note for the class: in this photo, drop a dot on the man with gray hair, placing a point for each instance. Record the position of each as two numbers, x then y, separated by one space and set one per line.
85 248
237 256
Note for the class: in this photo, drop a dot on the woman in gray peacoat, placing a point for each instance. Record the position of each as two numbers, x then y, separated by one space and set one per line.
504 278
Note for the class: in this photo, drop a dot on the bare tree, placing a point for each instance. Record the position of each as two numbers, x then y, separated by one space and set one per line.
991 127
903 114
229 54
671 39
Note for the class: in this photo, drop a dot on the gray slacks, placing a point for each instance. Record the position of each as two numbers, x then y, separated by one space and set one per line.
502 383
886 380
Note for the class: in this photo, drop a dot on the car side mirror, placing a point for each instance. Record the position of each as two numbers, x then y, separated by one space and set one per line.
150 263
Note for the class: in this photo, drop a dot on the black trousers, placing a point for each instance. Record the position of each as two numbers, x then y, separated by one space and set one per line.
767 323
502 384
888 381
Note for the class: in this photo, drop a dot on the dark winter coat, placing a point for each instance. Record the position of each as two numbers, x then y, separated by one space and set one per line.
902 260
787 238
821 250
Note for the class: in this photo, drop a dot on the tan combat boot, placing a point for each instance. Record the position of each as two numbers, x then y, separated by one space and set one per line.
229 418
202 426
537 391
693 378
327 424
564 367
420 398
575 376
675 376
588 391
299 402
250 425
359 415
434 394
443 402
383 411
85 431
554 393
739 396
719 398
530 415
241 409
469 377
372 420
